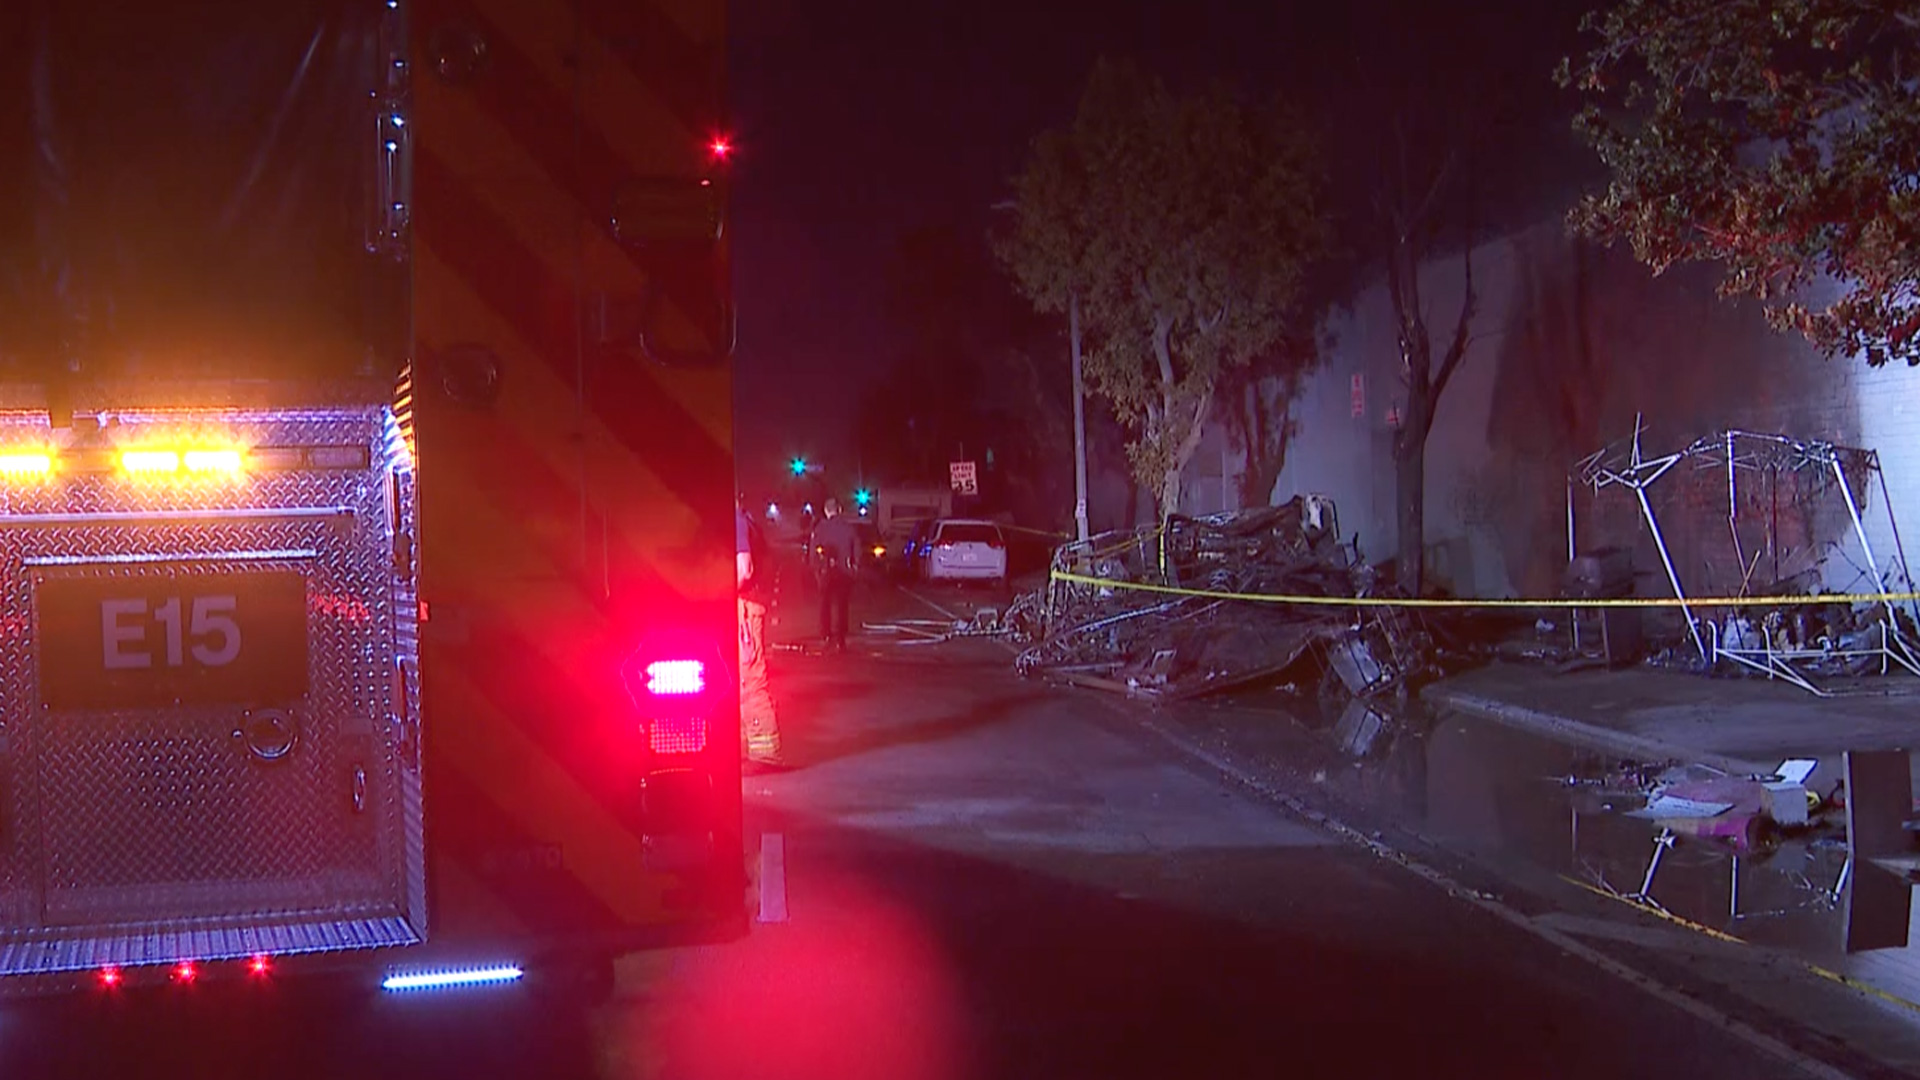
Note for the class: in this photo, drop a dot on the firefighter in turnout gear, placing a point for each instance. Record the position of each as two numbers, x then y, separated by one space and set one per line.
760 728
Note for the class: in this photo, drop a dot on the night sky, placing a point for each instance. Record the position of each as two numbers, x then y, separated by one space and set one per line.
858 120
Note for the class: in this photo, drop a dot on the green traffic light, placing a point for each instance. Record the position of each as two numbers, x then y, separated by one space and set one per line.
863 496
799 466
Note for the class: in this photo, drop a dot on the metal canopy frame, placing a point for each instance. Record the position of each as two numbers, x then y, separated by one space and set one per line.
1747 453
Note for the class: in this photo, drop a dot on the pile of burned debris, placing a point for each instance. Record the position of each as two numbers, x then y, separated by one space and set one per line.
1224 602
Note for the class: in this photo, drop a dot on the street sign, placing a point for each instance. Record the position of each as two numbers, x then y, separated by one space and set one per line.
966 479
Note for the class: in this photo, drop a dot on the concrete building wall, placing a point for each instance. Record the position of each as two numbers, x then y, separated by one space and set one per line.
1569 344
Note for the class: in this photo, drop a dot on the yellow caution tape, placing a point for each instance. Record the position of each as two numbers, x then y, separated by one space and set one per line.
1431 602
1656 910
1051 534
1863 987
1123 545
1721 935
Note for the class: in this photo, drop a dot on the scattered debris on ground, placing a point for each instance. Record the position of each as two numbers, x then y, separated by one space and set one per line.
1751 515
1172 646
1747 814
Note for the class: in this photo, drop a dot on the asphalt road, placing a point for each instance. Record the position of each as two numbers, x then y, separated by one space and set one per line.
987 878
973 876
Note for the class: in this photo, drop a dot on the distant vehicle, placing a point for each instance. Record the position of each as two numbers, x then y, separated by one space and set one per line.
873 547
910 551
963 549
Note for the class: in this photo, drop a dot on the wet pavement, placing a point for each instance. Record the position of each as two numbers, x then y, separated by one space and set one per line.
971 875
1044 891
1539 816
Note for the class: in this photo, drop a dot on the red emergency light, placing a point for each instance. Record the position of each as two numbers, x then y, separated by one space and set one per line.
677 734
673 704
672 681
676 678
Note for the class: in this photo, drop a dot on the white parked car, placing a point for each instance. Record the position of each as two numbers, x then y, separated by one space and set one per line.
965 550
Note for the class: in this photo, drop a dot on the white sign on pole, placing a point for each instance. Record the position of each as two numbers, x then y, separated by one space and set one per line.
965 479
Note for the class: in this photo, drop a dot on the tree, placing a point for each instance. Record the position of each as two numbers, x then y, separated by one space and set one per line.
1778 138
1409 210
1430 120
1182 227
1436 138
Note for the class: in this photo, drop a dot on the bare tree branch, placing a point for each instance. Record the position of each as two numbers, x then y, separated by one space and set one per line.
1440 177
1462 330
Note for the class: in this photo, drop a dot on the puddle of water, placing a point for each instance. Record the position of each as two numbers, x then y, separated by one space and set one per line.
1504 794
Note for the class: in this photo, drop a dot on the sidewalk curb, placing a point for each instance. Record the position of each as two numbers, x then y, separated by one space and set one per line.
1579 732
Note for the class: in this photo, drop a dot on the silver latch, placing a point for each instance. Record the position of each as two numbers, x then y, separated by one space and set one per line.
268 734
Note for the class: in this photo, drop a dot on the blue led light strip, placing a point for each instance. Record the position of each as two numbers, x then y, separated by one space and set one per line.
433 980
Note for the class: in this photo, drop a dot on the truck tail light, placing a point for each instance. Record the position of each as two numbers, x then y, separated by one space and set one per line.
674 683
676 678
682 690
677 734
671 683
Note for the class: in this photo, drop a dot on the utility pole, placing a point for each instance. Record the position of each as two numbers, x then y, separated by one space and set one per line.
1079 402
1079 419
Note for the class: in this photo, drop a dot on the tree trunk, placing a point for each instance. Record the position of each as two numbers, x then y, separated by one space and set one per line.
1161 428
1410 476
1189 444
1256 484
1425 386
1410 494
1266 441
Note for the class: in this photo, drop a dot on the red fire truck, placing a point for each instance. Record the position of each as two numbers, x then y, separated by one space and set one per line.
366 589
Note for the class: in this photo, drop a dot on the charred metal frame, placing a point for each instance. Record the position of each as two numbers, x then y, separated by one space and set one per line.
1738 451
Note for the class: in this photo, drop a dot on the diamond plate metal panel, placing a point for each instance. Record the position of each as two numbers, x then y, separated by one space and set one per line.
137 825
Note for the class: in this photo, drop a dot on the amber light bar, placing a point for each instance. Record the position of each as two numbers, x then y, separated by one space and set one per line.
203 461
196 460
21 464
25 464
150 461
199 461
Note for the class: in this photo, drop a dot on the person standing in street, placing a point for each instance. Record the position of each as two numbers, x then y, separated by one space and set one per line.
836 546
760 727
